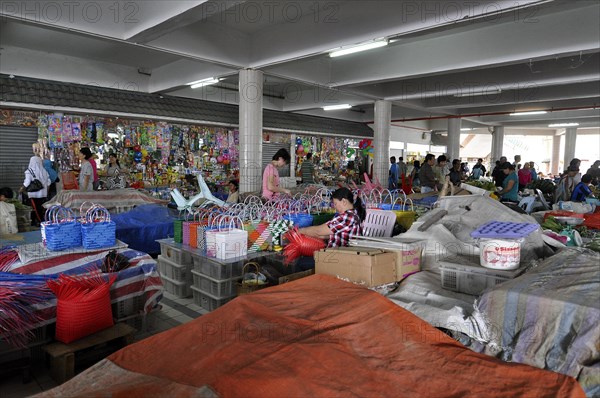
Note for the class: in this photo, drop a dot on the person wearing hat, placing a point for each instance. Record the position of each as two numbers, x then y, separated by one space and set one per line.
564 188
510 184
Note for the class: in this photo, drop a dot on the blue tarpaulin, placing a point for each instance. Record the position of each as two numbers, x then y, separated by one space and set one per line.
142 226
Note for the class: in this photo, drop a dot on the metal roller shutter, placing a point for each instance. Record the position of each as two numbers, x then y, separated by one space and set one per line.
268 151
15 151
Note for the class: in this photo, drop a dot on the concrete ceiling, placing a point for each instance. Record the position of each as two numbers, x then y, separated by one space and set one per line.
478 60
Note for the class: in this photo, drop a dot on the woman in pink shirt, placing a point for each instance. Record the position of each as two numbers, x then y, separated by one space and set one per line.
525 176
270 181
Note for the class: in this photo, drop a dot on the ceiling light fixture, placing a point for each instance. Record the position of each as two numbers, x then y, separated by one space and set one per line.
466 129
472 93
563 125
336 107
204 82
361 47
528 113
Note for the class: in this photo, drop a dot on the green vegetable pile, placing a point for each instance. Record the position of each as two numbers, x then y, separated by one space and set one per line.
487 185
546 186
594 244
553 225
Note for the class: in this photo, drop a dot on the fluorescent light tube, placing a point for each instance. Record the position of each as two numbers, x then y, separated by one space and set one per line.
478 92
563 125
204 82
360 47
336 107
466 129
528 113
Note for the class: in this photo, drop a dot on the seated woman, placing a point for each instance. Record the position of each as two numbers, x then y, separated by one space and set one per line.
234 195
582 190
346 223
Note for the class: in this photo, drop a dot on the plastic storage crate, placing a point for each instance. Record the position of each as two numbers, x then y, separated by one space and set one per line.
173 271
130 306
180 289
218 269
472 279
208 302
218 288
175 254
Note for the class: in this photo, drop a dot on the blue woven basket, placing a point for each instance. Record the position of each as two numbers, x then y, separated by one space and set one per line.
63 235
98 231
97 235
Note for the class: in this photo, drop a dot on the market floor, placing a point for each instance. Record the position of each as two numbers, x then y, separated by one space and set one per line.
174 312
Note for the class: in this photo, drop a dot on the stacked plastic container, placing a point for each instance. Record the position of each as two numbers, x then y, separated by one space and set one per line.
174 267
214 281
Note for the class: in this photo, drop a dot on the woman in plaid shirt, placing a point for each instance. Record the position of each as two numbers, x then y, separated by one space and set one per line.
346 223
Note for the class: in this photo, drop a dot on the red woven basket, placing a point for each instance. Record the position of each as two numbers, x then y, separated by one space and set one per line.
82 316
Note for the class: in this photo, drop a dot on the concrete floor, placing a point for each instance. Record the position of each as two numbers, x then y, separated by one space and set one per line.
174 312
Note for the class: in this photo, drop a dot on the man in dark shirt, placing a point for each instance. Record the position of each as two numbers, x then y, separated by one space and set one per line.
426 174
498 175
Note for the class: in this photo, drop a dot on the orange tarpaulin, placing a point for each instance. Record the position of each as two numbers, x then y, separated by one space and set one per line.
315 337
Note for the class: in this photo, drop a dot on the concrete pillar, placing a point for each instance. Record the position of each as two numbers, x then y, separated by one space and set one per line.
555 161
570 139
453 149
381 141
251 124
497 144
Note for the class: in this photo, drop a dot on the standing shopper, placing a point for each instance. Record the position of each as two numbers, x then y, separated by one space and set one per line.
96 180
524 176
86 172
49 167
478 170
270 182
37 197
497 173
426 174
393 175
402 167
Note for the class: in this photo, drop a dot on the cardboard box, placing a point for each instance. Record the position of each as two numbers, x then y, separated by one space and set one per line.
365 266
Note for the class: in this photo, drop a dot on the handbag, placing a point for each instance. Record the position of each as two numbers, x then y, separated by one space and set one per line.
35 185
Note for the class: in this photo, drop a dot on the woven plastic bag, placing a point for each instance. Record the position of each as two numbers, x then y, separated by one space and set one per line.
61 231
98 230
228 241
83 304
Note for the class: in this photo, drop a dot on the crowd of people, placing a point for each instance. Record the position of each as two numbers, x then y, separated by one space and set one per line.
509 178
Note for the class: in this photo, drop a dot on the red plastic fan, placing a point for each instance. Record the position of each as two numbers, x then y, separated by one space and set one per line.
300 245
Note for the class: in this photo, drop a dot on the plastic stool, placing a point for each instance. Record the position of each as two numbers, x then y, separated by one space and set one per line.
379 223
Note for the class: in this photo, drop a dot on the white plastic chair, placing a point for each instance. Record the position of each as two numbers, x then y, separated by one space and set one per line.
379 223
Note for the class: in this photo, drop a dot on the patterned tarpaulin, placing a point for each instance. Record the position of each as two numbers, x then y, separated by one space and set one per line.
550 317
